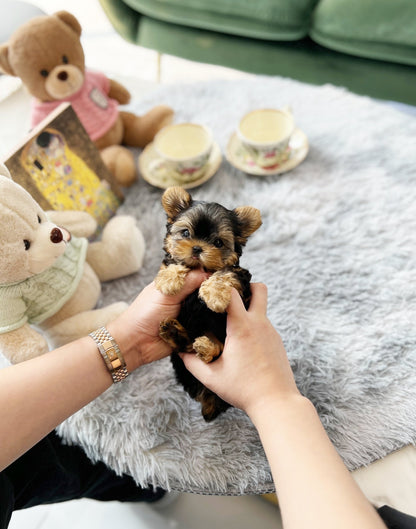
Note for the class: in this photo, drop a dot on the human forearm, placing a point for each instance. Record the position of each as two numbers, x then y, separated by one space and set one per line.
39 394
313 486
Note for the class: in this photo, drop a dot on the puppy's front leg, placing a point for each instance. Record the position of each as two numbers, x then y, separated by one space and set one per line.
175 335
208 348
170 279
216 290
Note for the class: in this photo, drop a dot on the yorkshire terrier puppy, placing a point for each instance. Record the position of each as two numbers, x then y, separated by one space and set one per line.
202 235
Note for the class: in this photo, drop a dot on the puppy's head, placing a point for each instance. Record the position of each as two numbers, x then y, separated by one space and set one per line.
206 234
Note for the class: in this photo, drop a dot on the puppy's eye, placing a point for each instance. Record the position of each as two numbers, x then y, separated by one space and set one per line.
27 244
218 243
186 234
44 73
65 59
39 220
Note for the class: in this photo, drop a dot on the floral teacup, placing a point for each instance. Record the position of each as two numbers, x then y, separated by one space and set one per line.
185 149
265 133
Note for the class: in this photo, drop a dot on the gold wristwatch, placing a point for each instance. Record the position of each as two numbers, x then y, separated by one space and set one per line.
111 354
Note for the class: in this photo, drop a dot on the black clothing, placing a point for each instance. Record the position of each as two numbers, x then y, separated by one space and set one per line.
395 519
52 472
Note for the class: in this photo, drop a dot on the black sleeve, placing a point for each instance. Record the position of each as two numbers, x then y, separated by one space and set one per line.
6 500
396 519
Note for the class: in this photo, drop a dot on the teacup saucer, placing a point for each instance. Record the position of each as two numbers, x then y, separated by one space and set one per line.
240 159
153 169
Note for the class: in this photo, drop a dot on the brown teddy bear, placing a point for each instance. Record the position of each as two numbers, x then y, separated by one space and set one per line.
47 55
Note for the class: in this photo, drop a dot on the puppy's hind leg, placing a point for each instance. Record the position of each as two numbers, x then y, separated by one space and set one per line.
175 335
211 404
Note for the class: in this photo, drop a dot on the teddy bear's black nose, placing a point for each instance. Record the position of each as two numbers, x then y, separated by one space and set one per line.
56 235
62 76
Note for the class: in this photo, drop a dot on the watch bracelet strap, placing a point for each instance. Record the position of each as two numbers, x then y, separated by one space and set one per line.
111 354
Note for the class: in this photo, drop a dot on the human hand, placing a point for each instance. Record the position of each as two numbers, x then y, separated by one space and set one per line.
136 331
253 368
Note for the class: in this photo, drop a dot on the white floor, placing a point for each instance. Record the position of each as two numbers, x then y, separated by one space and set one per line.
188 511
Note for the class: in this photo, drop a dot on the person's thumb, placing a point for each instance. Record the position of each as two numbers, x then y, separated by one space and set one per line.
196 366
193 280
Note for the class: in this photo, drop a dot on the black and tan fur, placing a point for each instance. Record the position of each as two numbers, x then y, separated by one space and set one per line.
209 236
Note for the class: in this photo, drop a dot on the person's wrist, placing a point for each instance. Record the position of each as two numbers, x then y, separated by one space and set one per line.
262 409
129 346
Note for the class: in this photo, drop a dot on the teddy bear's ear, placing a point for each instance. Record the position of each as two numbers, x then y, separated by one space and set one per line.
4 171
4 60
69 19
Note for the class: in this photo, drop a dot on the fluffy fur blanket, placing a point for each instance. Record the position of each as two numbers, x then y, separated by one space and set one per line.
338 252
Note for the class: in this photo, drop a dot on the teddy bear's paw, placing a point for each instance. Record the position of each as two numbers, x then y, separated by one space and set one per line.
215 293
22 344
83 323
110 312
171 279
131 245
164 115
120 251
206 349
139 131
120 162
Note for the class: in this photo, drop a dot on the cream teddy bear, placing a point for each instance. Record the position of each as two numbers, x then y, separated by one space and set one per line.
50 279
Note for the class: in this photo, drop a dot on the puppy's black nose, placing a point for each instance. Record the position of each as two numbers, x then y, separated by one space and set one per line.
196 250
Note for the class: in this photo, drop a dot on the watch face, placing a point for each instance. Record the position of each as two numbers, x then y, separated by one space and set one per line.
111 354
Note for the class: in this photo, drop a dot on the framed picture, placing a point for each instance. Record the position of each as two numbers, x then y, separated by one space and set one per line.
62 169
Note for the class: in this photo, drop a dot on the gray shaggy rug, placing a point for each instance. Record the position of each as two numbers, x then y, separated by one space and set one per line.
337 250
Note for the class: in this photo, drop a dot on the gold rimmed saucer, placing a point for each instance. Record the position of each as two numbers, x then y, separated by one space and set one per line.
240 159
153 169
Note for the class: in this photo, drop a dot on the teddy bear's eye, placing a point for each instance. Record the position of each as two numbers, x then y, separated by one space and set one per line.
186 234
218 243
44 73
27 244
65 59
39 219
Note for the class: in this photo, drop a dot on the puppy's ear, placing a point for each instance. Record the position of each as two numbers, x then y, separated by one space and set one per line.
249 220
174 201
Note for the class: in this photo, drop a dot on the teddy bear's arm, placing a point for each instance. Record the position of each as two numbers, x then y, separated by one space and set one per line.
79 223
119 92
22 344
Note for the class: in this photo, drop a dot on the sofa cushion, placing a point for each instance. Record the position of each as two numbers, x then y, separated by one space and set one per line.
385 29
263 19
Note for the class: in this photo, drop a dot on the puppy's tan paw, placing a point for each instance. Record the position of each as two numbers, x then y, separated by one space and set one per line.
171 279
206 349
215 293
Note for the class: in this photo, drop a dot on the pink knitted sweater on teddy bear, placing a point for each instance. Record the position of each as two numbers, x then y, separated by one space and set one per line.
96 111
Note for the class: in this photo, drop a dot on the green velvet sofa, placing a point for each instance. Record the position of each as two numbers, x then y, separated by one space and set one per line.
368 46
